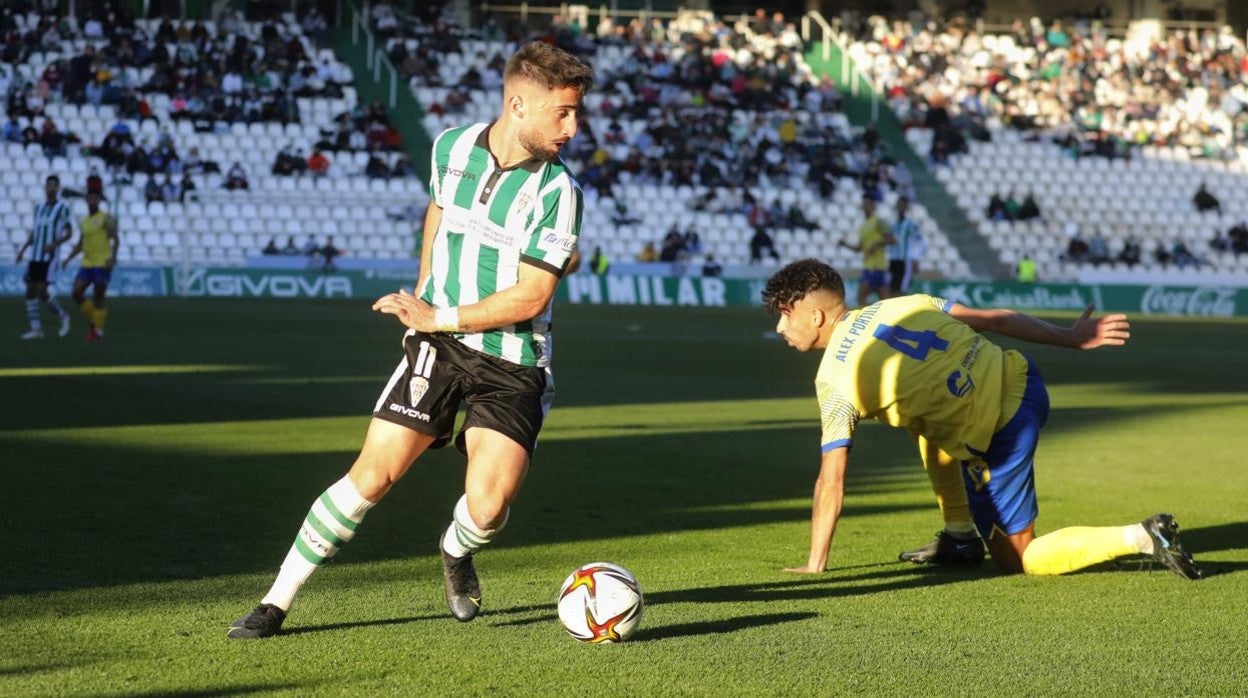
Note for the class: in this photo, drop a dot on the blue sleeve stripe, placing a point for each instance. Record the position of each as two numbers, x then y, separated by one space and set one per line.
947 306
839 443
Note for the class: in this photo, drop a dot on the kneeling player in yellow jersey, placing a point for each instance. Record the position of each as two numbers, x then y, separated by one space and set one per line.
98 245
919 362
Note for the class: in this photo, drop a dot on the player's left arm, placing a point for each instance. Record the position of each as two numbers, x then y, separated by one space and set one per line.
524 301
66 233
574 263
1086 333
546 260
825 512
74 251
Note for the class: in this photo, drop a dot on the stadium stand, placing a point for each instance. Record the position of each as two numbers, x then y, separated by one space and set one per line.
1112 137
275 113
656 138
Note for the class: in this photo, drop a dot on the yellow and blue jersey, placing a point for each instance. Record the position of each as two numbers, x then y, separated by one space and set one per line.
96 249
905 362
871 241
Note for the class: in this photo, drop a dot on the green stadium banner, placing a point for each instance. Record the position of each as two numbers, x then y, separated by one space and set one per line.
657 291
283 283
1153 299
126 281
707 292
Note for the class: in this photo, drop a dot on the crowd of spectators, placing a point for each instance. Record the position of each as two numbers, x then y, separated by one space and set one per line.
318 255
731 110
1011 209
1077 86
212 75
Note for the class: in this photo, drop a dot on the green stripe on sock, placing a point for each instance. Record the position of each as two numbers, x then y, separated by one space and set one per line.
338 515
325 531
306 552
464 534
463 541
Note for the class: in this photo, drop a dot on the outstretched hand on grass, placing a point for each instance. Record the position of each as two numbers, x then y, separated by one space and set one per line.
1109 331
408 309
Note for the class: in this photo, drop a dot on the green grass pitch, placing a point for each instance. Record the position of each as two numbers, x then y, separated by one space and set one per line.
153 482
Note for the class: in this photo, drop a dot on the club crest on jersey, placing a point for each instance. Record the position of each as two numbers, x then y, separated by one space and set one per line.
523 201
417 388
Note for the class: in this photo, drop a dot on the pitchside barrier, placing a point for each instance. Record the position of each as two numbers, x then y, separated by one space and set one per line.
627 289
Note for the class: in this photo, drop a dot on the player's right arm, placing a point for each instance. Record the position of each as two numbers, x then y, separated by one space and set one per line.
825 511
25 246
433 219
884 237
1086 333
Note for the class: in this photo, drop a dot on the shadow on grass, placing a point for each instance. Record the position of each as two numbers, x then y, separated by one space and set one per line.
70 520
719 627
1229 536
683 630
804 588
1216 568
300 630
181 515
23 669
814 587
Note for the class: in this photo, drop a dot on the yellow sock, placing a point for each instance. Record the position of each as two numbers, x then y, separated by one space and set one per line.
88 309
1069 549
945 474
101 314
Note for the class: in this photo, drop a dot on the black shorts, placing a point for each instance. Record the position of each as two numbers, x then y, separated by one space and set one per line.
899 276
37 272
437 373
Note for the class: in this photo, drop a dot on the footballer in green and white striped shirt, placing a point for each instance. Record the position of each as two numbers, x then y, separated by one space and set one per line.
501 230
494 220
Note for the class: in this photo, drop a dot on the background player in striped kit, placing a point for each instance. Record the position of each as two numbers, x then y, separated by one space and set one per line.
500 231
98 245
906 250
52 227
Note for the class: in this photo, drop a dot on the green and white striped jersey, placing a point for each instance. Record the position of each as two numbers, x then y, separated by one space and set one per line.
493 220
51 219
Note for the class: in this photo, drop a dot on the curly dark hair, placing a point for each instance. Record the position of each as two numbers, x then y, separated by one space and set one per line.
550 67
794 281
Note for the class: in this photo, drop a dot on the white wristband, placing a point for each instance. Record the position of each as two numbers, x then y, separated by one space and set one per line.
446 319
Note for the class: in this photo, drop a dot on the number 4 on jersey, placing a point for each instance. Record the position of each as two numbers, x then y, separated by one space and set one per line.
914 344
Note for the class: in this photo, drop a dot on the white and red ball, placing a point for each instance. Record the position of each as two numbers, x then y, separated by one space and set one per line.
600 602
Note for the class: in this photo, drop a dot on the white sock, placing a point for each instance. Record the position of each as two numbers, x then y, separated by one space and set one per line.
56 307
330 523
1135 535
463 537
32 314
961 530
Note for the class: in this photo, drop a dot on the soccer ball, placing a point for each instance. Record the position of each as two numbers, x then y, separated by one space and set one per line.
600 602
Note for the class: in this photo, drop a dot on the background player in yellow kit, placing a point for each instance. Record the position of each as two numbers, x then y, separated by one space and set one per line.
919 362
98 245
873 242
